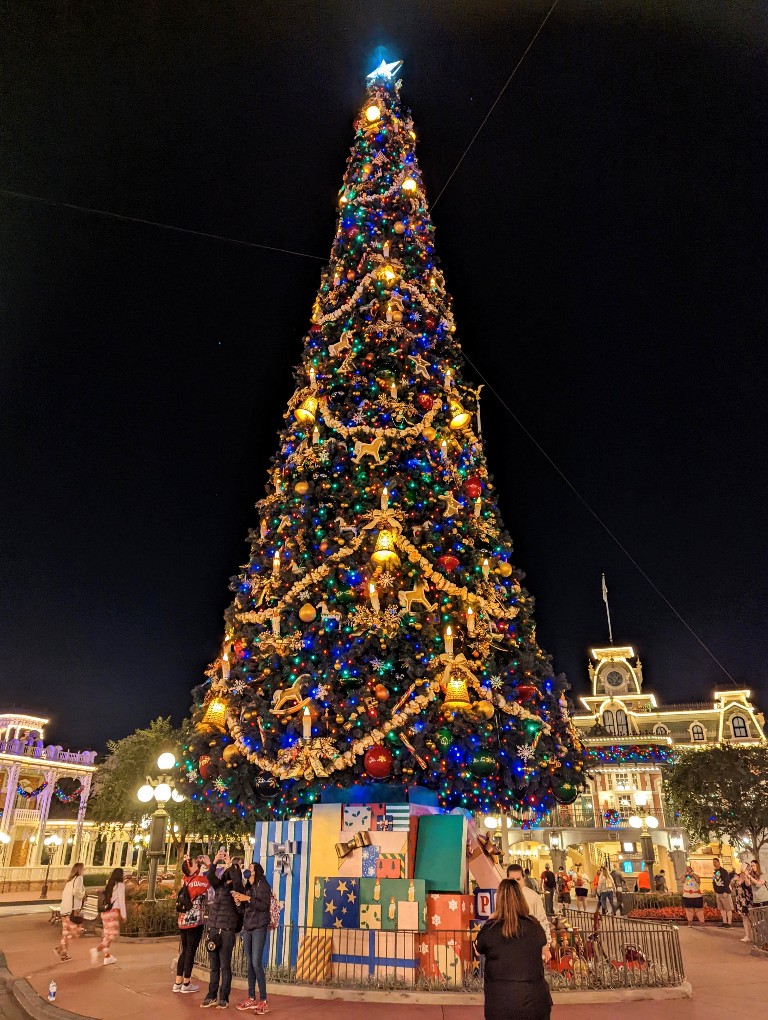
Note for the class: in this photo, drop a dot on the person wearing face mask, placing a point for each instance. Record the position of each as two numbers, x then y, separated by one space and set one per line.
225 920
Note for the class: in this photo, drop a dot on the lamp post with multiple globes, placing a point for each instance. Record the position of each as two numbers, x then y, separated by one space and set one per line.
162 789
51 844
645 822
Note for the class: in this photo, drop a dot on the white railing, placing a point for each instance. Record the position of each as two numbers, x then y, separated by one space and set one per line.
36 873
26 816
37 752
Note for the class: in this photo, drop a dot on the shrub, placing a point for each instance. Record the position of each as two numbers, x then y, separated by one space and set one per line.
674 914
150 919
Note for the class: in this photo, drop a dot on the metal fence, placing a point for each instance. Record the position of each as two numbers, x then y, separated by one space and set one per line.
619 954
758 919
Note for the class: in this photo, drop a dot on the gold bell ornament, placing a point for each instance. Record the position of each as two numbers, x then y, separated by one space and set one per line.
460 418
385 554
215 714
306 411
456 693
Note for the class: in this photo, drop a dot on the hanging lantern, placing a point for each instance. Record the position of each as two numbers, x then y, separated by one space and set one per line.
306 410
459 417
385 555
215 714
456 693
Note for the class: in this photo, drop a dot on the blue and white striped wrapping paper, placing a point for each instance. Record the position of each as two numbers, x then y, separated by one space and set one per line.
292 889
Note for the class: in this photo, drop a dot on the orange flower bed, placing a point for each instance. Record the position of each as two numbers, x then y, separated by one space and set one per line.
675 914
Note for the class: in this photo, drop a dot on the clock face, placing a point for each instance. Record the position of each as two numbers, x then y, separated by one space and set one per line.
614 678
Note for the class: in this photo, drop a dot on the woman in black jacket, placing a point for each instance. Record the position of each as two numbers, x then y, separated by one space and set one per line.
256 897
512 943
224 922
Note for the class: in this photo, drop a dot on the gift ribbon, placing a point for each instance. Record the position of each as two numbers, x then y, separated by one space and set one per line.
358 841
283 852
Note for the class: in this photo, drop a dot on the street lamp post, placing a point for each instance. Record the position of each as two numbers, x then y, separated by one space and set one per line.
161 790
51 844
645 822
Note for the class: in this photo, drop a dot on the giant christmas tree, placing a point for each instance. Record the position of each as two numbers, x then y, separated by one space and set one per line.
379 629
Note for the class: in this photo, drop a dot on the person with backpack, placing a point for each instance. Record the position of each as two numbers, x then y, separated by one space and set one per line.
225 919
191 901
257 921
71 911
563 887
581 886
112 909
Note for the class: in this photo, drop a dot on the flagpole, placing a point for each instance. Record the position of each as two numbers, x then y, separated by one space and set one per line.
607 610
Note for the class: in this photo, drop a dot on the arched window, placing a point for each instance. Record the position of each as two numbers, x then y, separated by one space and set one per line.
739 726
622 726
608 722
661 730
697 731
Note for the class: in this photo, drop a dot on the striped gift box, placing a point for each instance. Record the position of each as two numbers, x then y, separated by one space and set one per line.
393 818
292 886
390 865
314 961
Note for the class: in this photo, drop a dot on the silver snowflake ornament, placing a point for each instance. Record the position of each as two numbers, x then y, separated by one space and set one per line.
526 753
496 682
219 785
192 775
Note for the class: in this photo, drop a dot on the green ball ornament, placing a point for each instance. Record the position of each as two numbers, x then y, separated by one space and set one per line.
482 764
443 739
346 598
566 792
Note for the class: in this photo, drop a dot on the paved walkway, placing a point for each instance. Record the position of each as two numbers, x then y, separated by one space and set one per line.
728 983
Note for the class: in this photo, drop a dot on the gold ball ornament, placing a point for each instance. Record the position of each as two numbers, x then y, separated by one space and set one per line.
229 753
399 227
366 168
302 488
484 709
505 569
429 433
307 613
381 693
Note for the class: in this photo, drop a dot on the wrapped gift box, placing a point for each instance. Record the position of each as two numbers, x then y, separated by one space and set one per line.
390 865
356 817
417 811
370 859
402 902
370 915
284 850
441 852
376 817
444 956
361 956
485 903
336 903
484 868
449 911
388 844
326 825
314 958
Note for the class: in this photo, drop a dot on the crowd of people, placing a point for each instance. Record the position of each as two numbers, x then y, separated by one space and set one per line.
220 899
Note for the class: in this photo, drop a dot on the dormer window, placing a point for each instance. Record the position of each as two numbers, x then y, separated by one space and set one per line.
622 726
660 731
697 732
609 722
739 727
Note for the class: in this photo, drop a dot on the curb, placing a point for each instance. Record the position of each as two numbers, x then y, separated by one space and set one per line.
30 1003
588 997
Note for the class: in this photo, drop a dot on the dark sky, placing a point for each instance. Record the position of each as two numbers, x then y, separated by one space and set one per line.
604 241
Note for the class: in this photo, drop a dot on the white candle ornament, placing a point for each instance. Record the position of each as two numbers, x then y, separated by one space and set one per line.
375 604
448 641
306 727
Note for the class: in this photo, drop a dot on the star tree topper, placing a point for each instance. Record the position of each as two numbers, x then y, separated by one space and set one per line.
385 70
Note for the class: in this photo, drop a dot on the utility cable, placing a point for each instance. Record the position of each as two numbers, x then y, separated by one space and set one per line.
154 223
496 101
583 500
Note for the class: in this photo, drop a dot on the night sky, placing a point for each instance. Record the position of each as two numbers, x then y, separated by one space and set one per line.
604 242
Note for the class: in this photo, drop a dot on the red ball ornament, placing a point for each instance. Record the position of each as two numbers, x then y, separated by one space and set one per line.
315 328
525 692
473 487
378 762
239 646
429 322
447 562
206 766
424 401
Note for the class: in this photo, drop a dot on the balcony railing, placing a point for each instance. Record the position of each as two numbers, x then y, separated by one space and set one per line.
37 752
582 816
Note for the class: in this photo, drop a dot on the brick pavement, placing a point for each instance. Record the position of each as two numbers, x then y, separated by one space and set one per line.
728 983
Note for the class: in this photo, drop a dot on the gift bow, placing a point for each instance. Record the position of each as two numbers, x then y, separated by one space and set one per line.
358 841
283 852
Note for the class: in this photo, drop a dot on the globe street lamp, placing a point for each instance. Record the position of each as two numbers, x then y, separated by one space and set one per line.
645 822
51 844
162 789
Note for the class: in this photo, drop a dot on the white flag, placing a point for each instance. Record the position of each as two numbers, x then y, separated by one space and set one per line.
605 591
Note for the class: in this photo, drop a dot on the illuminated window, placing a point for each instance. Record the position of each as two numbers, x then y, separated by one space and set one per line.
661 731
622 726
697 732
608 722
739 726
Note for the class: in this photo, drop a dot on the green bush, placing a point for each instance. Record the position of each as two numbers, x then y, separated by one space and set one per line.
96 878
643 901
146 920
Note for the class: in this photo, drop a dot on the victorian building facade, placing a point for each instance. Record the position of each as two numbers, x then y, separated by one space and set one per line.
36 780
621 819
